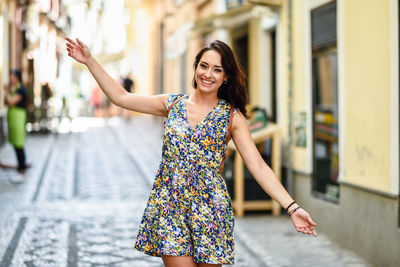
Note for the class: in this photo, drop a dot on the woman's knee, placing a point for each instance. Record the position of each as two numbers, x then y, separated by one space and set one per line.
179 261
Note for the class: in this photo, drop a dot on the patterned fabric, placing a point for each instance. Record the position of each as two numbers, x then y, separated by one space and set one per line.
189 211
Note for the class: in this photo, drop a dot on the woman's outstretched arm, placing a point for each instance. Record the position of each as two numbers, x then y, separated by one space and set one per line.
150 104
265 176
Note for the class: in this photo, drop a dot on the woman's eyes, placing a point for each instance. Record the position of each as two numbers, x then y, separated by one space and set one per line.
204 66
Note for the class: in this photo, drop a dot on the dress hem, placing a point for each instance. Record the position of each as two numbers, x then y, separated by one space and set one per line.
157 254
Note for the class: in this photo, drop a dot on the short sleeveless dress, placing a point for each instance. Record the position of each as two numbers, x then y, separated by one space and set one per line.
189 211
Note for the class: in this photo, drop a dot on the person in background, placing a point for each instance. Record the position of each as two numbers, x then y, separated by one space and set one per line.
128 85
17 100
95 99
45 94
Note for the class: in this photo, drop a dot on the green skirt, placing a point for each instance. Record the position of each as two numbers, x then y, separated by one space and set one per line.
16 120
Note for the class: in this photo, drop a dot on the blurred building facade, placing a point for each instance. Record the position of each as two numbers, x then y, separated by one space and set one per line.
327 74
31 39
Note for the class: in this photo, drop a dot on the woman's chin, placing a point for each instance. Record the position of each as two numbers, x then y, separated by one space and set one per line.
207 89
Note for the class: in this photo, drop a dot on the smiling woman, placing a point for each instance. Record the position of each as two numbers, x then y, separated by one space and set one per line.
188 220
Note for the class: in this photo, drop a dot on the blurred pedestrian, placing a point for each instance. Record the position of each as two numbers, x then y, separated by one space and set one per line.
128 85
95 99
188 220
45 94
17 100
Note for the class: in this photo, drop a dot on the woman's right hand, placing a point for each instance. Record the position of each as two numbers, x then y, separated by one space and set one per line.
303 223
78 50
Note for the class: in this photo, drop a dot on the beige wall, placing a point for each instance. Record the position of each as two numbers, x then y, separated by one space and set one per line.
299 63
283 74
367 93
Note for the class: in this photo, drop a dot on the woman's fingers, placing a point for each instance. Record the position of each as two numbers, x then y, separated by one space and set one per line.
80 43
70 40
307 230
70 45
314 233
310 221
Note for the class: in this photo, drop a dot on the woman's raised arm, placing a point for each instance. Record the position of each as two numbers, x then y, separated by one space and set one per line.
150 104
265 176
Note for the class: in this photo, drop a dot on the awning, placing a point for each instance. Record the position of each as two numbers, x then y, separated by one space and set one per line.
236 17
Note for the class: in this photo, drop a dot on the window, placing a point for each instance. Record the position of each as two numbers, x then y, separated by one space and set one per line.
325 101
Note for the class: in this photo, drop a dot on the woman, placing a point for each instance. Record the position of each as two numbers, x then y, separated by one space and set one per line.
17 100
188 219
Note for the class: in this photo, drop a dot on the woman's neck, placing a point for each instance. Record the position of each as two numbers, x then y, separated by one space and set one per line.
204 99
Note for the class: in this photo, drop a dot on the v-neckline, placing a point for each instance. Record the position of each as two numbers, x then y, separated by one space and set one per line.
203 120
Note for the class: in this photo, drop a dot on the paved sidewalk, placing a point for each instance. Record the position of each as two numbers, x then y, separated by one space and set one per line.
84 196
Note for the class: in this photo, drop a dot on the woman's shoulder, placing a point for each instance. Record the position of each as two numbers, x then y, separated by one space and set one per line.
230 106
172 98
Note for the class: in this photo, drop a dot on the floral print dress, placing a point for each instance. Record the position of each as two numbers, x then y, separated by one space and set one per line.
189 211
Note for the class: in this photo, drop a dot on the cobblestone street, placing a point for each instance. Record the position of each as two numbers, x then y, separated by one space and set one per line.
85 194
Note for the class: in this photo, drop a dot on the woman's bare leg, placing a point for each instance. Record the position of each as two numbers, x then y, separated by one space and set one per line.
179 261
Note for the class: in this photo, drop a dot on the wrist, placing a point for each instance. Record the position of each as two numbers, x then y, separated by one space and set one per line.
290 206
89 61
295 209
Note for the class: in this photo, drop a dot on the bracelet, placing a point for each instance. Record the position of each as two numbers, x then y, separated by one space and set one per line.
293 211
290 206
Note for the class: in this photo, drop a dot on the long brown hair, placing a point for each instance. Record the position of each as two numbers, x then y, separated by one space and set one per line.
234 91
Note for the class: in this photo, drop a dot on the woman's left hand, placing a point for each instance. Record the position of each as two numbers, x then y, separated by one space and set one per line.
303 223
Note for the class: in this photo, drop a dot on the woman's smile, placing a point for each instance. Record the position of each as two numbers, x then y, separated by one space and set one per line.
206 82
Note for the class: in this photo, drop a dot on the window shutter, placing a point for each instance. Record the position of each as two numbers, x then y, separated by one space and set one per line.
323 26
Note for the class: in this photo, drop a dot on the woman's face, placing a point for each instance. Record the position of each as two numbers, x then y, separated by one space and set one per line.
209 73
